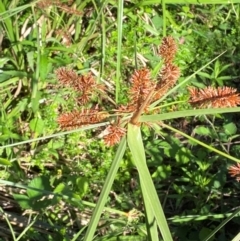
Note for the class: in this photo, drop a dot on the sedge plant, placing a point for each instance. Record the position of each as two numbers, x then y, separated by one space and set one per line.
125 121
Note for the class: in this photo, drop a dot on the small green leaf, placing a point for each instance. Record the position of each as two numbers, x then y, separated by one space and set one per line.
59 188
204 75
230 128
21 106
183 155
37 125
30 59
43 66
162 172
41 183
186 9
205 232
3 61
38 199
82 185
22 200
202 130
5 162
35 100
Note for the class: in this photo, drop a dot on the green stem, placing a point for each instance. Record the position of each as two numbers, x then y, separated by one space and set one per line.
201 143
164 18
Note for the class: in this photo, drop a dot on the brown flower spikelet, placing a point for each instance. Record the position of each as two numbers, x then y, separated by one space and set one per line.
75 119
85 85
214 97
88 88
169 76
66 76
141 87
234 171
170 73
115 133
46 3
168 49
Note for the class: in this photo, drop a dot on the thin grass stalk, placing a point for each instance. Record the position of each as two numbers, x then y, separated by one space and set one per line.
119 48
78 27
197 218
78 233
26 229
135 50
105 191
103 44
222 224
34 84
55 135
198 2
9 224
201 143
137 150
215 132
11 12
164 18
201 1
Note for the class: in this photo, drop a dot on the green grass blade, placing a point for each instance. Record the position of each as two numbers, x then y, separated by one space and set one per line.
237 237
150 2
103 43
119 47
202 1
202 143
26 229
150 218
55 135
9 224
185 113
34 84
197 218
222 225
137 150
105 191
79 233
164 18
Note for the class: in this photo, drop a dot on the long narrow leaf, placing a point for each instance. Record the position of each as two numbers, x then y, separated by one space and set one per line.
119 46
222 224
105 191
185 113
202 143
55 135
150 218
137 150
